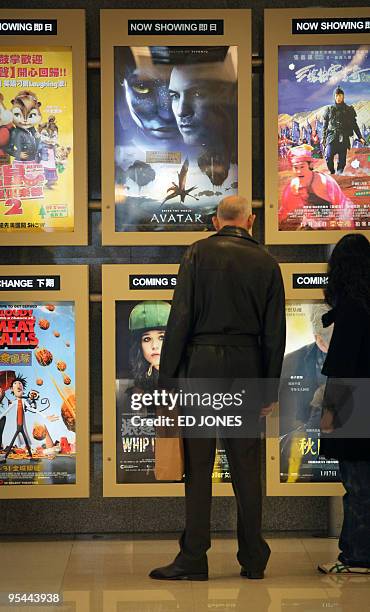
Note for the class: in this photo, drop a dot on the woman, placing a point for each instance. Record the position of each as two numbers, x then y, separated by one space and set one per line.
135 445
348 357
147 324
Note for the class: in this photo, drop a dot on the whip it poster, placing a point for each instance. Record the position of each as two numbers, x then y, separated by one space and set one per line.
324 137
140 332
175 135
301 396
36 140
37 393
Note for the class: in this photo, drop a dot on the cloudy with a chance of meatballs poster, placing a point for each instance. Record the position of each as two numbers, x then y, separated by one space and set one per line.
37 393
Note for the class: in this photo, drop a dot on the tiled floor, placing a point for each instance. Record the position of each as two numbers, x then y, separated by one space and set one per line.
111 575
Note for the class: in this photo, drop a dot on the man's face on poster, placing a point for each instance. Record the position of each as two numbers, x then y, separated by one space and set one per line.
302 171
339 98
323 340
17 388
198 104
149 102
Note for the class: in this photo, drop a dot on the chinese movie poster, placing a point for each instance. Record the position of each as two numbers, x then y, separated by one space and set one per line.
36 140
140 331
324 137
37 394
301 396
176 146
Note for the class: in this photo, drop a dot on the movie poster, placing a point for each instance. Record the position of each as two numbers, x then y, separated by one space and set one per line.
36 140
324 137
140 332
176 145
37 393
301 396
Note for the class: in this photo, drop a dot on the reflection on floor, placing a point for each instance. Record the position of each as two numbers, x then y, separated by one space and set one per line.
111 575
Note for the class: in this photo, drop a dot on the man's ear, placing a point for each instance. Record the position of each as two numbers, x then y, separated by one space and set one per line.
251 220
216 223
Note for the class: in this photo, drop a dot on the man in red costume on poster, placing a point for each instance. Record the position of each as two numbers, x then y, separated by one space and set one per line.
311 199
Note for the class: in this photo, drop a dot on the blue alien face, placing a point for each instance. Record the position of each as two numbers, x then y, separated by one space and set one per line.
150 105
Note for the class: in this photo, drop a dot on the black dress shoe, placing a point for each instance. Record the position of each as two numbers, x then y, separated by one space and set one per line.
252 575
175 572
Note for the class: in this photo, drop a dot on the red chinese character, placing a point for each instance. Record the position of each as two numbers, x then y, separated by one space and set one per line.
37 59
25 59
4 59
37 192
54 72
12 176
22 72
43 72
32 72
15 58
24 193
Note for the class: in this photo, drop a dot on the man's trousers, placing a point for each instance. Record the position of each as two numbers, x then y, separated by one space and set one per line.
244 457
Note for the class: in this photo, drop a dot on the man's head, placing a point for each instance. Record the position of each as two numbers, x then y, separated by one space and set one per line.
322 334
18 386
234 210
339 95
201 98
301 159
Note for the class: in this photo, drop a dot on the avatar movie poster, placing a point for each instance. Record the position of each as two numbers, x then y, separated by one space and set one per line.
140 332
37 394
36 140
324 137
301 396
176 148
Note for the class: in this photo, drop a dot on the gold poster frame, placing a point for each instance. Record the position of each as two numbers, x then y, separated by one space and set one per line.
115 283
113 32
273 485
71 33
74 283
278 32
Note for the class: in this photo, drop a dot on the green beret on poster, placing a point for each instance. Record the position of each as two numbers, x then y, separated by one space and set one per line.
149 315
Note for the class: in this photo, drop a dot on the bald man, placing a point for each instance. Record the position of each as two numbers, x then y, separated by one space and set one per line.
227 322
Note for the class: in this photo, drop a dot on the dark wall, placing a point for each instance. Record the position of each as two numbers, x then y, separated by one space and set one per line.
139 515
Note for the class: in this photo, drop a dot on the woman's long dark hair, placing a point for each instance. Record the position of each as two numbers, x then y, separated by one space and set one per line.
349 271
139 366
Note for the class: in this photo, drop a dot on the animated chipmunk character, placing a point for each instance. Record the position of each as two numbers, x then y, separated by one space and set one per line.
46 150
6 124
26 113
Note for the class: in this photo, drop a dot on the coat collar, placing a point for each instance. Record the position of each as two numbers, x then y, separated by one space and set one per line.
237 232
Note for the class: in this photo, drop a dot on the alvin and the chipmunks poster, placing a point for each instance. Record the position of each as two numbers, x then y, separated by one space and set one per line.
37 393
324 137
176 149
36 140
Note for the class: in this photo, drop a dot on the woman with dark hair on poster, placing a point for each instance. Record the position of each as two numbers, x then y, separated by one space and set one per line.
136 445
348 357
147 324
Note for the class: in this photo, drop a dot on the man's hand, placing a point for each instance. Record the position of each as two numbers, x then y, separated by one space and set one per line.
267 410
363 141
